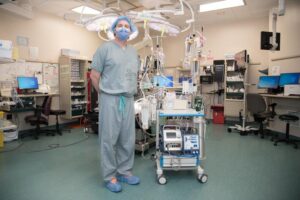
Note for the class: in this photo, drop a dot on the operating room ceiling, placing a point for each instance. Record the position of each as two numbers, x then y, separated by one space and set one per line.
62 8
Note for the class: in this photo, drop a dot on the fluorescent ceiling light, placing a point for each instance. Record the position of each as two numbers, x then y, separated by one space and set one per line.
221 5
86 10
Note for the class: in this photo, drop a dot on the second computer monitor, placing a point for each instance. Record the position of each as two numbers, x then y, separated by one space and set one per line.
289 79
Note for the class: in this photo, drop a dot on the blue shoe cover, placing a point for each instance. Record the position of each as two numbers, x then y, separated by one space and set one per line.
131 180
114 186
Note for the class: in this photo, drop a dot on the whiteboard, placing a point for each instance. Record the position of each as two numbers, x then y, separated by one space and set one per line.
50 74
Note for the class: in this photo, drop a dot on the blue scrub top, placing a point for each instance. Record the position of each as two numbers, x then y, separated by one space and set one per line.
118 68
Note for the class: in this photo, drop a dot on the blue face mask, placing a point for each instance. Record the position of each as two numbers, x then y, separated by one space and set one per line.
122 34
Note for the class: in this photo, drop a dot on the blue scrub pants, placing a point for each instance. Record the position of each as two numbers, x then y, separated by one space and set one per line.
116 135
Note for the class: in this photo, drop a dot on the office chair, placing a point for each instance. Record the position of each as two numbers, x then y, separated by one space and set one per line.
56 113
287 140
40 117
256 105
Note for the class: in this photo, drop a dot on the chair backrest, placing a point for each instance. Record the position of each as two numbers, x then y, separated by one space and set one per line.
255 103
46 106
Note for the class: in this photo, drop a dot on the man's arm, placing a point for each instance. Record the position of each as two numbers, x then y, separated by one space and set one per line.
95 77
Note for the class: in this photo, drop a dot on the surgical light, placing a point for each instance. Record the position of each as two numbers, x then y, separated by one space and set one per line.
101 22
220 5
171 29
86 10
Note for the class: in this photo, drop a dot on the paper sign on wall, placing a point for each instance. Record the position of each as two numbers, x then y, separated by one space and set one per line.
33 53
274 71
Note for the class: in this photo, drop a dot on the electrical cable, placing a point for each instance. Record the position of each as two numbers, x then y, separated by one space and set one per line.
50 146
57 145
11 150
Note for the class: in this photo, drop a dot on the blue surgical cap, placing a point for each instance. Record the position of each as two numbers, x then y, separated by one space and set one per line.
132 26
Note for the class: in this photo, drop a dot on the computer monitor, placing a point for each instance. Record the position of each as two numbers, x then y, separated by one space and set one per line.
27 83
289 79
268 82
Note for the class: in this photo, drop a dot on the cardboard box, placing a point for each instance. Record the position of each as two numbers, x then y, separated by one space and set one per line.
70 52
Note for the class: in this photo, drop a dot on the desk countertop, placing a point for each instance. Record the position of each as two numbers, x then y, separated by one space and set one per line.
280 96
37 95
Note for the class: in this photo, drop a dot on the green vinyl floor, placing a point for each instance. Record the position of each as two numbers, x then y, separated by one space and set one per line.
67 168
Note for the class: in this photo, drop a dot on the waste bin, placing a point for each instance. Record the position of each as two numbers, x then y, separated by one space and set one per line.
218 114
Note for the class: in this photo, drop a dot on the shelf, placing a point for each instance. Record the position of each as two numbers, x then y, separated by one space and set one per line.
77 116
79 103
77 81
238 100
6 60
234 92
78 95
74 96
235 81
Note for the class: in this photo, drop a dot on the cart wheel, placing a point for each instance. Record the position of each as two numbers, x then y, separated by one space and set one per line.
229 130
162 180
203 178
153 157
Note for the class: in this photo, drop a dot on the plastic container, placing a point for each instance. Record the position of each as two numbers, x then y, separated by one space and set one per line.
1 139
218 114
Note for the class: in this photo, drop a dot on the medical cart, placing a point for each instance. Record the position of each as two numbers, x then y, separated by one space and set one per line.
189 149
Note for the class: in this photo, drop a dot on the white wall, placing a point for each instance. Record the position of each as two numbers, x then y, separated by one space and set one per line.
48 33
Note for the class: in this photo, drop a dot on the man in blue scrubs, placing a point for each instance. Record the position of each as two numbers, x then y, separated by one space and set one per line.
114 76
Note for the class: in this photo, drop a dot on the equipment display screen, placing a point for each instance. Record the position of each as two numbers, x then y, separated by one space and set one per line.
163 81
171 135
27 83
